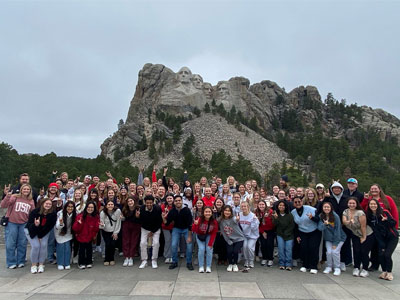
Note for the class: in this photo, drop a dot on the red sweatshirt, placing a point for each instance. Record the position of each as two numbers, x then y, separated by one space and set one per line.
201 228
208 201
87 230
266 223
392 209
171 225
18 209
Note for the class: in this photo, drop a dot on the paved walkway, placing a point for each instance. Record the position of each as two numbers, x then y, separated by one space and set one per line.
118 282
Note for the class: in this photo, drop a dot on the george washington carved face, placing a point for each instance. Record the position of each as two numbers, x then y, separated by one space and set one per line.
184 75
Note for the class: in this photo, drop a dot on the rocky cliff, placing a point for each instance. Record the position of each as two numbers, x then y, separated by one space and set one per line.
264 107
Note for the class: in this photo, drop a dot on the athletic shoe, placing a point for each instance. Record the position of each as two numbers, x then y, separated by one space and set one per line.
41 269
67 267
89 266
246 264
106 263
263 262
34 269
342 267
229 268
121 254
208 270
303 269
201 269
130 262
337 272
112 263
60 267
356 272
154 264
270 263
251 264
327 270
167 260
82 267
12 266
288 268
235 268
143 264
364 273
21 265
173 266
313 271
126 261
190 267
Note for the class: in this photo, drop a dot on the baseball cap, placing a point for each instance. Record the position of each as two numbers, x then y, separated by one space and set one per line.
352 180
88 176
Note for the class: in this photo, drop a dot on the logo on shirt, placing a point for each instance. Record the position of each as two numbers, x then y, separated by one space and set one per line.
228 230
22 207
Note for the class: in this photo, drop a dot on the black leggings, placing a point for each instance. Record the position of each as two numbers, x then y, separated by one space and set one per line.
220 247
85 254
361 251
309 248
233 252
385 254
267 245
110 246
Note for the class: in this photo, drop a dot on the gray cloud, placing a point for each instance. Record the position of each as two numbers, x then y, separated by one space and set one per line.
68 70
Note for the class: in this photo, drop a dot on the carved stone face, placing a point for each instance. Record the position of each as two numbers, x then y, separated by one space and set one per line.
184 75
197 81
223 90
207 90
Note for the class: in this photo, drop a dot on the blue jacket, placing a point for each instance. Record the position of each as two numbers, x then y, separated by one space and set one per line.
335 233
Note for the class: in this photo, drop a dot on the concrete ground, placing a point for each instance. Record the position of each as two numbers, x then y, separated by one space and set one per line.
119 282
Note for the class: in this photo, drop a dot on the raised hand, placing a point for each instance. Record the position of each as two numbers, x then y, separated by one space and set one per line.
309 215
7 189
137 214
61 221
165 171
326 222
196 222
37 221
384 217
275 214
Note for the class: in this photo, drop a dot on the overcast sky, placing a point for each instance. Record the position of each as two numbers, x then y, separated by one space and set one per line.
68 69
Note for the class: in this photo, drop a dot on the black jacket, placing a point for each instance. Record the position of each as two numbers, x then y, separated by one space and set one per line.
337 207
182 218
356 194
383 230
43 229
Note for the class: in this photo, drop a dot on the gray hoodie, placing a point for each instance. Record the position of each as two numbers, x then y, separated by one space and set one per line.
231 231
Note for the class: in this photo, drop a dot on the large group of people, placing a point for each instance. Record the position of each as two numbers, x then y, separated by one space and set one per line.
238 224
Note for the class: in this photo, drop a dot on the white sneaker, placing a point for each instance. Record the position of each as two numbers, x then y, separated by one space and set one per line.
251 264
201 269
263 262
235 268
229 268
246 264
34 269
313 271
270 263
154 264
356 272
89 266
60 267
294 263
303 269
121 254
342 267
41 269
21 265
130 262
126 261
68 267
82 267
208 270
364 273
143 264
12 267
327 270
337 272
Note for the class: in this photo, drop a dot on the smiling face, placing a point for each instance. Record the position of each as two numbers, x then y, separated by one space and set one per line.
326 208
336 190
110 205
352 204
219 203
275 189
78 195
244 207
25 191
261 206
207 213
373 206
130 202
178 202
170 200
207 192
227 213
47 204
70 208
281 207
297 203
281 195
90 208
374 191
199 204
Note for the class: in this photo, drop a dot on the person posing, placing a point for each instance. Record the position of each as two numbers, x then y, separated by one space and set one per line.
86 227
206 228
233 235
235 204
130 231
19 206
220 244
63 235
334 237
361 235
208 198
226 194
182 219
267 233
352 191
384 227
110 223
167 230
150 219
307 235
284 223
41 222
249 224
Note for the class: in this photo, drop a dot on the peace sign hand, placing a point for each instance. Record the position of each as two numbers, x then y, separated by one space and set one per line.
37 221
384 217
7 189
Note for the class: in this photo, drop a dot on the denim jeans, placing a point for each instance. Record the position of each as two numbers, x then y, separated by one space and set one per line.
176 235
203 247
63 253
285 251
16 243
51 245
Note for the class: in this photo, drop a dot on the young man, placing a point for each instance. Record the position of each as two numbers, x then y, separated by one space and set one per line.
150 219
352 191
182 218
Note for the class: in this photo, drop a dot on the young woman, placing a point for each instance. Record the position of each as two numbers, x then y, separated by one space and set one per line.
17 218
233 235
284 223
267 233
206 228
321 192
249 224
233 185
310 198
242 192
110 223
309 237
275 190
254 200
130 231
362 236
214 189
188 198
63 234
197 193
220 244
167 229
41 222
292 193
122 196
334 237
197 210
384 227
102 189
254 185
78 200
86 227
235 203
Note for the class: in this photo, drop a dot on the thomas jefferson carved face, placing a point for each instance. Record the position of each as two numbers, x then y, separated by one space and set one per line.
184 75
197 81
223 90
207 90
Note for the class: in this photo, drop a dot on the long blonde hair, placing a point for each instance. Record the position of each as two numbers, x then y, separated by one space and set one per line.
19 195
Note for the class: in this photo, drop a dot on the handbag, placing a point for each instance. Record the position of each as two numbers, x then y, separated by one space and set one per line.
203 237
4 221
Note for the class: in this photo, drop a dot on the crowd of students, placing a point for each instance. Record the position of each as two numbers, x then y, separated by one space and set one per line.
232 222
